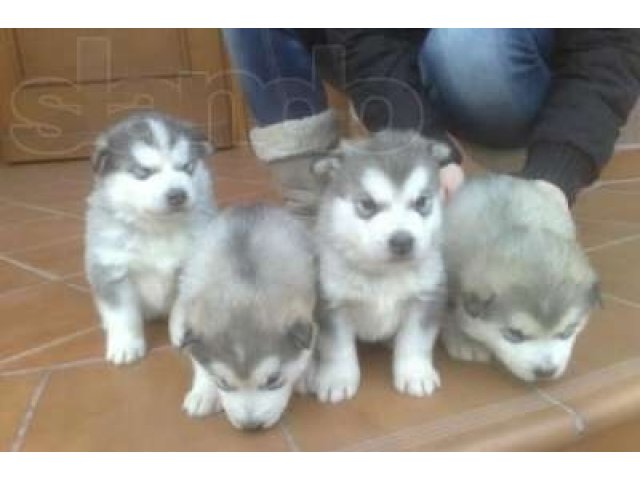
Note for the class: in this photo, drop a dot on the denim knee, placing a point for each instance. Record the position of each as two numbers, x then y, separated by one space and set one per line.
489 84
276 73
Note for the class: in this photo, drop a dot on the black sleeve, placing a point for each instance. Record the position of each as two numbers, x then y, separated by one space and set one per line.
383 81
596 81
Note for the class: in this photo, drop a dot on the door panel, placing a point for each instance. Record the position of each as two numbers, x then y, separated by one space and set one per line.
134 53
62 87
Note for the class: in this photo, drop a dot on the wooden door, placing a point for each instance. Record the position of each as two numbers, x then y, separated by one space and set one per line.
60 87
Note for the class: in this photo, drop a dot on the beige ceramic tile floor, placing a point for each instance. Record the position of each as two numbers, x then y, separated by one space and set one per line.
57 393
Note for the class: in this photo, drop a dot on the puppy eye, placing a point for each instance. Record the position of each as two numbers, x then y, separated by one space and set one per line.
141 173
568 332
513 335
367 208
274 382
423 204
189 167
223 384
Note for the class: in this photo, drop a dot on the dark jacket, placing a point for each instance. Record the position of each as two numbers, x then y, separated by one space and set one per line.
595 83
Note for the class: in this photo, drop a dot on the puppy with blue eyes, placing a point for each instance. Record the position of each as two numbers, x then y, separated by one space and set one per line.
152 195
520 287
244 315
380 265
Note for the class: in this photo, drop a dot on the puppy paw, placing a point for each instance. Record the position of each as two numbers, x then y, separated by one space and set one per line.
124 348
415 377
199 402
461 348
336 382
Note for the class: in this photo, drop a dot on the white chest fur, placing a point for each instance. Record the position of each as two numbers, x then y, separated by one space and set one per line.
154 263
375 305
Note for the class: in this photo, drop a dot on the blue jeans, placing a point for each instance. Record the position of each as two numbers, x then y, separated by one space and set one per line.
487 84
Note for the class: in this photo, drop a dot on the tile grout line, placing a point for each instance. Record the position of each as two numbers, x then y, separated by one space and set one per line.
45 281
18 290
288 436
28 221
620 192
53 368
77 236
612 243
616 181
581 218
78 288
624 301
46 345
591 382
71 364
469 420
19 223
60 241
19 439
43 245
579 423
29 268
42 209
498 411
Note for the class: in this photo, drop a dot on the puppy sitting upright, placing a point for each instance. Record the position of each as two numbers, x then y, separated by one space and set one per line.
245 314
152 194
380 267
521 289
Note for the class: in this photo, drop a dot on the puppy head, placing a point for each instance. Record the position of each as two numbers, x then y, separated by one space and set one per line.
528 312
382 202
151 164
255 368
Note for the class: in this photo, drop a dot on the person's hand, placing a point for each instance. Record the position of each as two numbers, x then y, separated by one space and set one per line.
452 175
451 178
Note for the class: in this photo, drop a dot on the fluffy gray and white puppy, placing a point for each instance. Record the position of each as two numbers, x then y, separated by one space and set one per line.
520 287
245 314
152 194
379 259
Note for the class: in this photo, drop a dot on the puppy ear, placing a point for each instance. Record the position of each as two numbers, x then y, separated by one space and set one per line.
325 168
302 334
102 158
475 305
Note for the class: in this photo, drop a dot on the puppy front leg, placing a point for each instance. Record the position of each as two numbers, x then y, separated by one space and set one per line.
177 320
336 373
203 398
413 370
121 315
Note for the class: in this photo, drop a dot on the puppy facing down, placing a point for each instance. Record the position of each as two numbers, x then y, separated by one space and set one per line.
379 259
245 315
151 196
521 289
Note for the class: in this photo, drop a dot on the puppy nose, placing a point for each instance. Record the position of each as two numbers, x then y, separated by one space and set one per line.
547 372
401 243
252 425
176 197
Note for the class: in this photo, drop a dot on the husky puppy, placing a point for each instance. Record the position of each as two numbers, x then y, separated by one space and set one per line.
152 194
379 260
245 315
520 287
